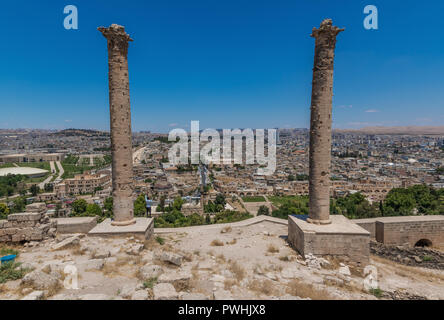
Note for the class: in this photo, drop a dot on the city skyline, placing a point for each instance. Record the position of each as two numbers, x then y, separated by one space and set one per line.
227 65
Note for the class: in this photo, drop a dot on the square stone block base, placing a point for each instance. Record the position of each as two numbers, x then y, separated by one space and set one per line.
75 224
342 238
142 229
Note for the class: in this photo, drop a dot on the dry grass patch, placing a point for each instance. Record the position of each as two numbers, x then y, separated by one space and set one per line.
272 248
229 283
234 241
216 243
237 270
285 258
265 287
226 229
221 258
306 290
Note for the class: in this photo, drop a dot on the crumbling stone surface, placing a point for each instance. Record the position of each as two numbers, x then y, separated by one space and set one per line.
320 122
165 291
411 256
33 225
170 257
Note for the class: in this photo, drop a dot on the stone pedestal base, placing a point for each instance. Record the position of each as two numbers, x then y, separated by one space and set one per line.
75 224
142 229
341 238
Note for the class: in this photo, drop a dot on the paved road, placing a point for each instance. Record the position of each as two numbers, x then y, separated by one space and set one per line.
52 166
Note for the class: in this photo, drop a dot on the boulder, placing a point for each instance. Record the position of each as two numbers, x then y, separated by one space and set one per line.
135 249
127 291
150 271
170 257
40 280
140 295
35 295
94 264
344 270
192 296
66 243
175 277
221 294
101 253
165 291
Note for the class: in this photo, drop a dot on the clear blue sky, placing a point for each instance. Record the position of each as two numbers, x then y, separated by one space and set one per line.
231 63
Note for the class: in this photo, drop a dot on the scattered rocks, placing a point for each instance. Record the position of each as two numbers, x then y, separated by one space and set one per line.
331 280
312 261
140 295
135 249
165 291
101 253
344 270
170 257
40 280
150 271
411 256
35 295
126 291
192 296
71 241
221 294
181 276
94 264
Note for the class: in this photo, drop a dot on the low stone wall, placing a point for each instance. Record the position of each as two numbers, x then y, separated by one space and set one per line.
410 229
33 225
367 224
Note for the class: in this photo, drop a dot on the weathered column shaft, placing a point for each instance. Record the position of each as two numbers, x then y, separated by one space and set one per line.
120 123
320 122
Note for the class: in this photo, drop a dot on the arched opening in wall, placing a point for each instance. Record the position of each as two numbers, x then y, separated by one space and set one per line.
423 243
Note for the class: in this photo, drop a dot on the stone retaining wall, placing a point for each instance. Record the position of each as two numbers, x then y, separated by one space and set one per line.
33 225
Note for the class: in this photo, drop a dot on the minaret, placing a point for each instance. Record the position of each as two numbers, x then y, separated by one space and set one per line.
320 122
120 122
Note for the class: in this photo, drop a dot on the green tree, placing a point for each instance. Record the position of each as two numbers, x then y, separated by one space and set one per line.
140 206
34 190
79 206
4 211
263 210
398 201
93 210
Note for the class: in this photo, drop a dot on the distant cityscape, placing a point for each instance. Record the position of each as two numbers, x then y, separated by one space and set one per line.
76 163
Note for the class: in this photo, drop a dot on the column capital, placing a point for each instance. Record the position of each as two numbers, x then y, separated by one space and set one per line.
326 29
115 32
117 38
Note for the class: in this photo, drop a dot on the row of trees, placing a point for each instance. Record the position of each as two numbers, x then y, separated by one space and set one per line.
418 199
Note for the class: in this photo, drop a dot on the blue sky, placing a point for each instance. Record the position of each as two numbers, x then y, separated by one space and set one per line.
231 63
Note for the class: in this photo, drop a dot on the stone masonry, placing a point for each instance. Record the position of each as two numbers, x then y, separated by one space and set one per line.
32 225
120 121
410 229
320 122
319 234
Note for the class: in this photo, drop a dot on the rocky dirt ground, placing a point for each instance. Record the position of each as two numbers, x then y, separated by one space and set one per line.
251 262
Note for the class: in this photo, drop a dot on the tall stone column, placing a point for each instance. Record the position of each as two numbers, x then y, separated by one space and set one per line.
320 122
120 121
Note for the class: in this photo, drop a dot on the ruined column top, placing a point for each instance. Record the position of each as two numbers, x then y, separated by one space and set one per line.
115 31
326 28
